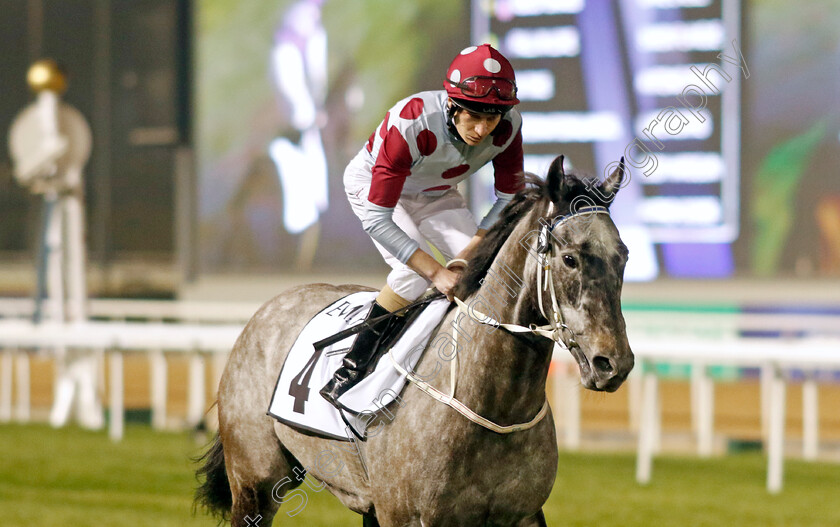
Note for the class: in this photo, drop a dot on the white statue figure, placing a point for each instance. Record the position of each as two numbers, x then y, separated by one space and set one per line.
50 142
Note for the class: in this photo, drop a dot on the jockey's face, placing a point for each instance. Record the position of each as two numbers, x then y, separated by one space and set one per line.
474 127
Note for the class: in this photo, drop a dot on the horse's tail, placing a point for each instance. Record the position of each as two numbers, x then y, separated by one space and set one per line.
213 495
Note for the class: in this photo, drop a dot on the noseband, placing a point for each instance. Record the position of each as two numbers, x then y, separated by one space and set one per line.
556 330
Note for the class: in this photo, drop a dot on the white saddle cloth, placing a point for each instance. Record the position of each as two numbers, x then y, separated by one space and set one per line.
296 401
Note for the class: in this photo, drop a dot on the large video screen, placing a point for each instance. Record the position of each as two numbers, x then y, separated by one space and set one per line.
725 111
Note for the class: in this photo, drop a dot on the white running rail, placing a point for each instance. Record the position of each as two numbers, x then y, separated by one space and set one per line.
201 329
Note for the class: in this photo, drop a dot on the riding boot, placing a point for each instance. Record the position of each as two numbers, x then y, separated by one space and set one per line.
355 363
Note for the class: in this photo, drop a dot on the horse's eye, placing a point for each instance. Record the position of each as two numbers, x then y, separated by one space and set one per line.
570 261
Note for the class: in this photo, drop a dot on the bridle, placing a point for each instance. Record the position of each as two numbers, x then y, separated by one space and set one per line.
556 327
556 330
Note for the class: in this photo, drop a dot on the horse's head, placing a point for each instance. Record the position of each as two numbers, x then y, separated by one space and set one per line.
560 223
587 259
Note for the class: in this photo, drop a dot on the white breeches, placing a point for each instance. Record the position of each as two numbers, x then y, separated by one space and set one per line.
443 221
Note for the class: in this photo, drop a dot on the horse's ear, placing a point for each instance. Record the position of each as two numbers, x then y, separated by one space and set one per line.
556 179
613 182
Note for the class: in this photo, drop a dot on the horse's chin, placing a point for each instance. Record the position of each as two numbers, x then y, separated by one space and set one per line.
588 378
608 386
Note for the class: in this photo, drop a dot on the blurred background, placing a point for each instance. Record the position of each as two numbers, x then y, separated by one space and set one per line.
221 129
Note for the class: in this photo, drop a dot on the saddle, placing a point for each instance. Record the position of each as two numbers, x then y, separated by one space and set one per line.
295 401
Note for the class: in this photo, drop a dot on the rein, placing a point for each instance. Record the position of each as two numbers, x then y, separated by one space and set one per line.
554 330
370 323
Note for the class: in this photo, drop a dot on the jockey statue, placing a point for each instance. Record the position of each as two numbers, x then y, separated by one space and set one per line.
50 142
402 186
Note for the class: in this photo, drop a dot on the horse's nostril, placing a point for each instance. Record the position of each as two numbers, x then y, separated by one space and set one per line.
602 364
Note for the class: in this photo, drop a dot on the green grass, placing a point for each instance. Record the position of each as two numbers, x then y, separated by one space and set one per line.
77 478
596 490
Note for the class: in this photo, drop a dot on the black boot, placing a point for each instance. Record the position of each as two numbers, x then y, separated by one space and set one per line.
356 361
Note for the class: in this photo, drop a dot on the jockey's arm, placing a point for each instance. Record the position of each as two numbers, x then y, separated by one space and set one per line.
442 278
466 252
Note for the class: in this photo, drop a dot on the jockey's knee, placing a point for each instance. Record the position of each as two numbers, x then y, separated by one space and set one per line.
390 300
407 285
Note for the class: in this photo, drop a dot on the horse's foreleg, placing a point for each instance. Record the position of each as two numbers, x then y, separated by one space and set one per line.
537 520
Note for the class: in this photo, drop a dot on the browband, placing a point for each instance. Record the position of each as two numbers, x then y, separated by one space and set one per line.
544 241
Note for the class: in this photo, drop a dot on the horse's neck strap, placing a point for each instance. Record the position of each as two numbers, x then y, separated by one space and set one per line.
548 331
450 399
554 330
463 409
556 327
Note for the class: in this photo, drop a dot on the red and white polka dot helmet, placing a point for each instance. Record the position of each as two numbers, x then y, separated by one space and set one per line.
482 75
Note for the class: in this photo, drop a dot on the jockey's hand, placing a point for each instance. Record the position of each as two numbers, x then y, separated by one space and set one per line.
444 281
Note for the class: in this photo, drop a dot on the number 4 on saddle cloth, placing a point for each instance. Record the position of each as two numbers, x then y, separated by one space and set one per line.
296 401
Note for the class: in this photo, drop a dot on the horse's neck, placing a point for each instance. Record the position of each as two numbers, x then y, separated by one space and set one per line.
503 376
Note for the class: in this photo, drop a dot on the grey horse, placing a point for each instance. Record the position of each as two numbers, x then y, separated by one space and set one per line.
424 464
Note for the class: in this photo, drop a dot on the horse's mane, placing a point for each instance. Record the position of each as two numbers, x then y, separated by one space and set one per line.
536 191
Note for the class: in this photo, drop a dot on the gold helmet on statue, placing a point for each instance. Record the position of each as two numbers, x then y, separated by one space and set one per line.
46 74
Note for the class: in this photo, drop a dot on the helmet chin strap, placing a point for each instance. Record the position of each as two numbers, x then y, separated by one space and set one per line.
451 110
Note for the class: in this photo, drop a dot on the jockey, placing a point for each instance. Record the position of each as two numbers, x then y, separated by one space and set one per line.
402 185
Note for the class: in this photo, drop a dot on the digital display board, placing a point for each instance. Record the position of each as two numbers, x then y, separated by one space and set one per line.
657 81
288 92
